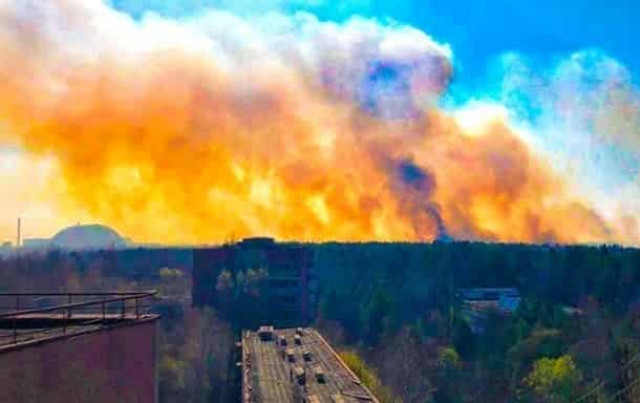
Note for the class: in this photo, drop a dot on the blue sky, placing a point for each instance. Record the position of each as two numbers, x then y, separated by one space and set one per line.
477 30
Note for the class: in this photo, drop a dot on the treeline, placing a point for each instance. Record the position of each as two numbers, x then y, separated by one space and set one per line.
128 265
575 334
355 280
540 354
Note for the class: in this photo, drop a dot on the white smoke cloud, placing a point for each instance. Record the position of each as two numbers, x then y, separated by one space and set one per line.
585 112
587 94
363 61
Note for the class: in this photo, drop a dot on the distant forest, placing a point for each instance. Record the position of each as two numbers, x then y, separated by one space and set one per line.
416 277
392 308
574 337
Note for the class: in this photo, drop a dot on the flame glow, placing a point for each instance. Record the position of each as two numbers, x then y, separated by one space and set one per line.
217 127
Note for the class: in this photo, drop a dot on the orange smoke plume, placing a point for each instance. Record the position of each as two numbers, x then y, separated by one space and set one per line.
218 127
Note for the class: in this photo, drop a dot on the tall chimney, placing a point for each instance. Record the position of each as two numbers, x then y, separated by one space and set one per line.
19 237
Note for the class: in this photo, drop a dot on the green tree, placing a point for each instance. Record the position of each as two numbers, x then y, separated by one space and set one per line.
463 339
448 359
225 281
330 306
554 379
225 289
172 376
448 376
367 375
377 314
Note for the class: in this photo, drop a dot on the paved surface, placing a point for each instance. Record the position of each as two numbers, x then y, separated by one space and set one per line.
267 371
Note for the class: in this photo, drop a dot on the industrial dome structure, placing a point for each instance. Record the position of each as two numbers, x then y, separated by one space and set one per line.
93 236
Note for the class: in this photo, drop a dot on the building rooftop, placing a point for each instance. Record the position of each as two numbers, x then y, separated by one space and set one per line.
258 241
488 293
28 318
315 373
479 302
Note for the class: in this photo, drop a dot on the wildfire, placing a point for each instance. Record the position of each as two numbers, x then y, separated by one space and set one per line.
197 131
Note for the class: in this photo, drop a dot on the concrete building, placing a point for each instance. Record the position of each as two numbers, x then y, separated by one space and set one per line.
288 299
310 372
89 348
477 303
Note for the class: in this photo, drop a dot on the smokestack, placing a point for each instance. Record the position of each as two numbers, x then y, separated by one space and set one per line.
19 237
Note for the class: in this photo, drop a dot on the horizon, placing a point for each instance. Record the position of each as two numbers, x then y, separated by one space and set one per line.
130 244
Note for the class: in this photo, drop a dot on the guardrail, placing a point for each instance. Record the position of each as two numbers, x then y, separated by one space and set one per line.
28 316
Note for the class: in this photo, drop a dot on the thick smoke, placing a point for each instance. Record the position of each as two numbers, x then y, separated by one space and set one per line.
414 187
218 127
586 110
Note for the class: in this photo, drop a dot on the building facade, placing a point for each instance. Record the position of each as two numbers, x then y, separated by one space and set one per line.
478 303
275 276
63 354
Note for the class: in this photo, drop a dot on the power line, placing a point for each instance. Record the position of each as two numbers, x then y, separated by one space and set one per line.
621 391
603 383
